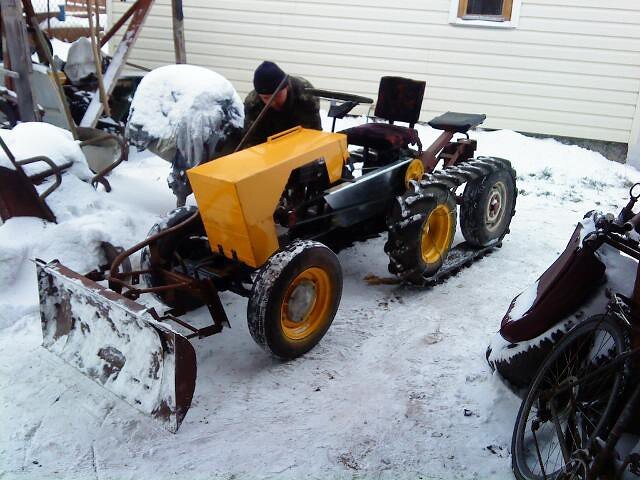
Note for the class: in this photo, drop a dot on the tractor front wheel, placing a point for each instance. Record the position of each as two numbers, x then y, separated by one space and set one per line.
171 253
295 298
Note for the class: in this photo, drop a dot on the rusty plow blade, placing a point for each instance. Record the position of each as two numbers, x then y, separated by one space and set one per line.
117 343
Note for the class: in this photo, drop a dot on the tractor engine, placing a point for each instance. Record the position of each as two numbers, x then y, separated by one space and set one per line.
303 196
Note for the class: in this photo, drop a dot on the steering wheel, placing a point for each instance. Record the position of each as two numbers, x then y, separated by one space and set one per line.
339 96
348 102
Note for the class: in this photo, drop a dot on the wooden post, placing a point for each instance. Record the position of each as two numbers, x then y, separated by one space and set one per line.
104 98
178 31
97 10
137 14
32 19
18 52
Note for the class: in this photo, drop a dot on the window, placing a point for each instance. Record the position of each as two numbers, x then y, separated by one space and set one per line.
490 13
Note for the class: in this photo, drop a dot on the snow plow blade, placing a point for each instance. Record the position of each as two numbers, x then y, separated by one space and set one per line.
117 343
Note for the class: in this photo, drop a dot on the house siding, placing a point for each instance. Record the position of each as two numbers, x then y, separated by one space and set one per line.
570 68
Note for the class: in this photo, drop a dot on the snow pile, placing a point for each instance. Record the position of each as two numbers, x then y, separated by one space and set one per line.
86 218
32 139
183 107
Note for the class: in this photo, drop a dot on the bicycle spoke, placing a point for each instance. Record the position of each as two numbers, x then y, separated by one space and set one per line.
572 396
585 416
535 441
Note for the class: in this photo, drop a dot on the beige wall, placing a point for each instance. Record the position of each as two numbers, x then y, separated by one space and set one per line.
571 67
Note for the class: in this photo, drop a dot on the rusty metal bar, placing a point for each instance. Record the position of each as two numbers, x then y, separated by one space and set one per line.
430 155
55 169
99 177
116 26
18 195
39 177
117 262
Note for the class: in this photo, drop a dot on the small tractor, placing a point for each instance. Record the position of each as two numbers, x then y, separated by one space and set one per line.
268 223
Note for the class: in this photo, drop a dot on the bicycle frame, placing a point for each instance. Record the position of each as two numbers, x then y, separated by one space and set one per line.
601 451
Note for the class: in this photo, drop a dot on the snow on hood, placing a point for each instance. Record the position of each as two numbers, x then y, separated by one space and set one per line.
31 139
185 107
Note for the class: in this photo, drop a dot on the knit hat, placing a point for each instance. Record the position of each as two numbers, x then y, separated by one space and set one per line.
267 77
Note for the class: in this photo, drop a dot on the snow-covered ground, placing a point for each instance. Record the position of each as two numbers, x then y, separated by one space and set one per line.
398 388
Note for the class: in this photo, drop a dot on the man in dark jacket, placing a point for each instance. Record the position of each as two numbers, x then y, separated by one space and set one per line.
291 105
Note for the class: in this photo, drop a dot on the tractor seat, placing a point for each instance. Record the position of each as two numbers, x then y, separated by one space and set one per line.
382 136
457 122
399 100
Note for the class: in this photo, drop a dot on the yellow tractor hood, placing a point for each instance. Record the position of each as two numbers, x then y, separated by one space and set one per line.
237 194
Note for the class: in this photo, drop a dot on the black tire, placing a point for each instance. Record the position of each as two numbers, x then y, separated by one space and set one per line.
168 253
278 295
421 226
518 369
583 411
488 205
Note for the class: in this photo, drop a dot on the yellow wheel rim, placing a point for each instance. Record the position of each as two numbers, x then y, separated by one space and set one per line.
306 304
414 172
436 234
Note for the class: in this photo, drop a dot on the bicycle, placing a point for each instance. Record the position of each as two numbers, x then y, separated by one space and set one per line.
566 427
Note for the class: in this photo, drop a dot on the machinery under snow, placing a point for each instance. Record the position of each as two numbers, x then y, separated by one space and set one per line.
187 115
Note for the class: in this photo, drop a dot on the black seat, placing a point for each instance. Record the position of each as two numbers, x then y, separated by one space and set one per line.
457 122
399 100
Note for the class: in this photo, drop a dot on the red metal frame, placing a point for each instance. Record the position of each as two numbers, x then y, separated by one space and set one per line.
450 152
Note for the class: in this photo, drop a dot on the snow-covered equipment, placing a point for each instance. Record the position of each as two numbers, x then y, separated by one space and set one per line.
31 170
80 63
268 223
187 115
117 343
598 259
94 83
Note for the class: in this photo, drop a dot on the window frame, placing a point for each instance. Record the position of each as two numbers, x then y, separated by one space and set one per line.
459 6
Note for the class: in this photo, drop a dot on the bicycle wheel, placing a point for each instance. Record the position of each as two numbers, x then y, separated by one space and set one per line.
565 406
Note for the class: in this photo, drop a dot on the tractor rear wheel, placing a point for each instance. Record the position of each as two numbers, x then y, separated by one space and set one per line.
295 298
170 253
487 208
421 225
